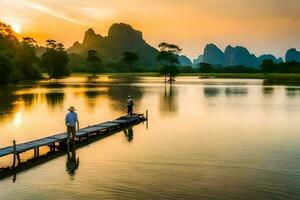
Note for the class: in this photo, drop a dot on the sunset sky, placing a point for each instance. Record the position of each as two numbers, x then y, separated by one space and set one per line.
264 26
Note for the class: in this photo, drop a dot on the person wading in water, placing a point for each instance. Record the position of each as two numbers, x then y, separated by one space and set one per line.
130 105
71 120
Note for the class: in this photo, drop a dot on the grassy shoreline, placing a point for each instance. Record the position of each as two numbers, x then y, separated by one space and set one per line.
269 79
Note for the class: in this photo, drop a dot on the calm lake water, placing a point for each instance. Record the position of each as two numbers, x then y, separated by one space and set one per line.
207 139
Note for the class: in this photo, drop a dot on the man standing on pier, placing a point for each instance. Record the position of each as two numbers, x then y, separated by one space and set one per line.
129 106
71 120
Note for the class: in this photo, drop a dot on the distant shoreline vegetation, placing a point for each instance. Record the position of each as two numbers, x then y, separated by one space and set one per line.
122 51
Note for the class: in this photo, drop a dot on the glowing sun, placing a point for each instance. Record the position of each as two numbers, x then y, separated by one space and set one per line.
16 27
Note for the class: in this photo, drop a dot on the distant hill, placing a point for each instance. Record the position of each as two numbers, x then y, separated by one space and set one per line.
239 55
121 37
234 56
213 55
197 61
292 55
184 61
269 57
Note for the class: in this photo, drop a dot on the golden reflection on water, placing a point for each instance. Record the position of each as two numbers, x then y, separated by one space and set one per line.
203 135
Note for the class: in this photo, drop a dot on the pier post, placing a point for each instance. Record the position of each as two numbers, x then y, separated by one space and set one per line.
146 119
15 153
18 158
38 151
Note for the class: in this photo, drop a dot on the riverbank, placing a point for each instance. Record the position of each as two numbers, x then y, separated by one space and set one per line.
271 78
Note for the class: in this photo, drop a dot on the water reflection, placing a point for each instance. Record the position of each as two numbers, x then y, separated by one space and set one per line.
8 102
55 99
236 91
169 100
268 91
292 92
129 134
212 91
118 96
246 135
92 96
28 99
72 163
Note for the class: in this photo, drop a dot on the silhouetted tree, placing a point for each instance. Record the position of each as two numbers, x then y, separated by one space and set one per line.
205 68
168 56
93 61
267 66
21 54
172 48
27 59
55 60
129 58
8 41
7 67
164 71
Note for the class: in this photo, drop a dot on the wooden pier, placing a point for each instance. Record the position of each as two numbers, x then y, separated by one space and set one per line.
57 141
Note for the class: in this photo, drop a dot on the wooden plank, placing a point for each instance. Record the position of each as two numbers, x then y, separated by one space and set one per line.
109 124
121 121
6 151
35 144
24 147
59 137
43 141
80 133
90 129
100 127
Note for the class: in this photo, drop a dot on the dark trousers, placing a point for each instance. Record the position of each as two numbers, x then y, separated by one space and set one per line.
129 110
71 130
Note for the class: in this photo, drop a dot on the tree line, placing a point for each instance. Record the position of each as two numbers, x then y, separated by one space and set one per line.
267 66
19 61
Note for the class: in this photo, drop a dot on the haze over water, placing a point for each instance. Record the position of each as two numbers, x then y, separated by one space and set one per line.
207 139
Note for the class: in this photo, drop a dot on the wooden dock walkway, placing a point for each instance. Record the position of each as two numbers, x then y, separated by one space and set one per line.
56 140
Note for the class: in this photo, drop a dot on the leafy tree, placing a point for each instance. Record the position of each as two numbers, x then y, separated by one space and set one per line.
8 41
173 71
168 56
164 71
55 60
21 54
7 67
205 68
51 44
27 59
129 58
267 66
172 48
93 61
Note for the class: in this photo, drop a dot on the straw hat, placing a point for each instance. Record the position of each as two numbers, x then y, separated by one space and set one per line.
72 108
